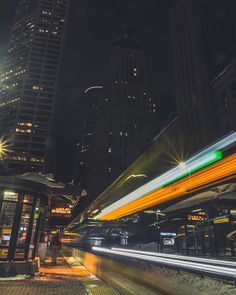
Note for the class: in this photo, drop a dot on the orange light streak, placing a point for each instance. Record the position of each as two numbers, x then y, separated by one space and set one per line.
204 177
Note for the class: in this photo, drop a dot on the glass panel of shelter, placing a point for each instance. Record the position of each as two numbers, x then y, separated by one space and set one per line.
215 236
19 218
25 229
34 229
8 205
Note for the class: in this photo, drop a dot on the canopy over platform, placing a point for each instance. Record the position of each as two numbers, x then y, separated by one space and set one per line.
44 185
219 193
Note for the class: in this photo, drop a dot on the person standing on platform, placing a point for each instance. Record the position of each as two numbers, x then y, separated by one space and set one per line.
55 246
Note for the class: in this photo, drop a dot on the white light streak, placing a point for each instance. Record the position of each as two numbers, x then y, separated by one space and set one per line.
191 164
202 267
179 257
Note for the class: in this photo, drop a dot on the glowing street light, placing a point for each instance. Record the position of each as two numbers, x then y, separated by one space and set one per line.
182 165
4 148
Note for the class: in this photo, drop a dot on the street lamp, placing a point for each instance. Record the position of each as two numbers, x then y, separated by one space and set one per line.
4 148
182 165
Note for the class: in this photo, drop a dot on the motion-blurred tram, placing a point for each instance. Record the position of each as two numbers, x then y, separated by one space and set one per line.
189 209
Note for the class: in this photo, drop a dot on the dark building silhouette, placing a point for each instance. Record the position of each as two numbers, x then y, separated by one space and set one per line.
30 79
92 100
224 84
125 111
130 104
203 32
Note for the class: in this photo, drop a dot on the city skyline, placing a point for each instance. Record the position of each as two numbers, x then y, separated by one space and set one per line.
118 147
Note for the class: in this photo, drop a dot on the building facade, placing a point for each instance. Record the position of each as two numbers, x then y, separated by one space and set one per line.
224 85
203 32
92 100
131 106
29 83
125 111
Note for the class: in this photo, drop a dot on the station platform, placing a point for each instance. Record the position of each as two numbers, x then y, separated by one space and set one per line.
61 279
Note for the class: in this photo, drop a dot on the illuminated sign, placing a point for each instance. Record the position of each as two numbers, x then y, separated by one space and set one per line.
168 234
61 211
6 238
6 231
221 220
3 253
10 196
168 241
196 217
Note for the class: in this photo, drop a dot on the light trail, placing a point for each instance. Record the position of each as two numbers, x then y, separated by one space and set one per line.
183 264
131 203
179 257
163 180
206 176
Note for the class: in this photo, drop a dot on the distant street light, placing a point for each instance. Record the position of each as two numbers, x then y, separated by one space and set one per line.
182 165
4 148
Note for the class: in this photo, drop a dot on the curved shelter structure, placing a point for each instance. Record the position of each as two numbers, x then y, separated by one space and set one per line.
23 204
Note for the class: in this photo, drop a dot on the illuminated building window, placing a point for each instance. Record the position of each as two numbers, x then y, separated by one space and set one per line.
23 130
35 87
18 158
37 160
25 124
43 31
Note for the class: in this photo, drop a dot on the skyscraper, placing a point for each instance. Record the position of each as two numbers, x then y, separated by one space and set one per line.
131 105
29 83
121 117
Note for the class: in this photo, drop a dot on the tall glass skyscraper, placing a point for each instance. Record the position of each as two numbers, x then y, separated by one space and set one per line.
29 82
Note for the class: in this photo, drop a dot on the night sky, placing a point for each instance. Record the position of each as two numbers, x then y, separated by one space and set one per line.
92 26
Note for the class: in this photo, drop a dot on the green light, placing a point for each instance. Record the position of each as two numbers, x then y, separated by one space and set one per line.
36 213
199 164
